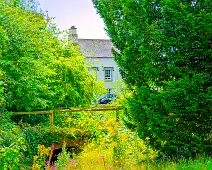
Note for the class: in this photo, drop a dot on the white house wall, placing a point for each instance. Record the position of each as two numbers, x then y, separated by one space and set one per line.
102 62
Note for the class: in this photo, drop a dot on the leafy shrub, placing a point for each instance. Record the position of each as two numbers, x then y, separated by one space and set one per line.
12 144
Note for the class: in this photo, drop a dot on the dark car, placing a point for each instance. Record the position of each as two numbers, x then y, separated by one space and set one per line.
107 99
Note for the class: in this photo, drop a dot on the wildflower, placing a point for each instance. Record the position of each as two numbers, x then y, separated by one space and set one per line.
123 136
35 158
111 167
115 144
54 168
111 122
52 147
147 138
73 162
47 163
36 167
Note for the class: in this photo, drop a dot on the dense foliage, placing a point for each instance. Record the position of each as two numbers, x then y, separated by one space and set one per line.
38 71
164 54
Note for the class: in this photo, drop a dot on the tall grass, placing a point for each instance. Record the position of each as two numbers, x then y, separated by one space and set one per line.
115 147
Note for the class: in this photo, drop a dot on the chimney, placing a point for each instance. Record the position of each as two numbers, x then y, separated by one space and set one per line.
73 34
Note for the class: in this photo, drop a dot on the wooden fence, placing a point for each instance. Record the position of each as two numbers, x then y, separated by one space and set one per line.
70 110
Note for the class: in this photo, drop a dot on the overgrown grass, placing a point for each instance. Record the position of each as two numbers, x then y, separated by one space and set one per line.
114 147
95 161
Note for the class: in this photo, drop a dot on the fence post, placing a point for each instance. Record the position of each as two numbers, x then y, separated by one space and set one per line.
117 115
51 116
116 147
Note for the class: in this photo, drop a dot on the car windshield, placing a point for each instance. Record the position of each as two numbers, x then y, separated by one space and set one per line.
109 96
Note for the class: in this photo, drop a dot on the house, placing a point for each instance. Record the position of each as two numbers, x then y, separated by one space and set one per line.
99 55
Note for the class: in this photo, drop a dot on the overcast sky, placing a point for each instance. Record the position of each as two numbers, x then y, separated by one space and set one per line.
79 13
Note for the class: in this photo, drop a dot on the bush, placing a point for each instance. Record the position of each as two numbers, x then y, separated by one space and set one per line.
12 144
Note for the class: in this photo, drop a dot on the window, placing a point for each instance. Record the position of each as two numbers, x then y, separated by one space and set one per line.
108 73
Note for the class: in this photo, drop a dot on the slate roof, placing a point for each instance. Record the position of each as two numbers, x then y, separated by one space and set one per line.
96 47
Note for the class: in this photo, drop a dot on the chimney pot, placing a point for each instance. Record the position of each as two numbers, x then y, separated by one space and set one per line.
73 34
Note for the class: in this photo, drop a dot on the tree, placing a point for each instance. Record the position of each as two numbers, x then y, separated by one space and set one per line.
39 71
164 55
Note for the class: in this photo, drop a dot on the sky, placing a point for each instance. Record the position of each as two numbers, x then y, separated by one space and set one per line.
78 13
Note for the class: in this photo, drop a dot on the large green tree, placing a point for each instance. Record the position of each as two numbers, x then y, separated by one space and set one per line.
39 71
164 54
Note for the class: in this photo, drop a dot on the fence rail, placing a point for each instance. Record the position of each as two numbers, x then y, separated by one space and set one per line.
53 111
